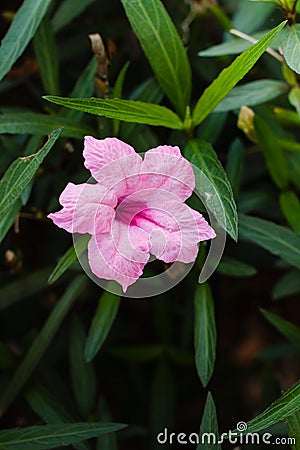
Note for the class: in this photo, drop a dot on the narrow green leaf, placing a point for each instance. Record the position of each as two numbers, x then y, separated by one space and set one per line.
107 441
294 98
163 48
287 117
253 93
35 123
204 333
53 436
117 92
82 373
290 42
249 16
24 287
22 29
84 87
280 241
46 53
67 11
209 426
41 343
235 165
233 45
284 407
230 76
8 219
294 168
141 353
254 199
162 403
233 267
288 329
127 110
102 322
293 426
45 405
273 154
20 173
68 258
118 88
290 207
216 191
289 284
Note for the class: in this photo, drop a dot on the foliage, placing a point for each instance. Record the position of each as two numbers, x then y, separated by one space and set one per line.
77 362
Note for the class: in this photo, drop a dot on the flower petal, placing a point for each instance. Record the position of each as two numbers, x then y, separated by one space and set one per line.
87 208
120 255
112 163
174 231
164 167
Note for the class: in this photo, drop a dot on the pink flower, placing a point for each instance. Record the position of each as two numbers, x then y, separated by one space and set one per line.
135 208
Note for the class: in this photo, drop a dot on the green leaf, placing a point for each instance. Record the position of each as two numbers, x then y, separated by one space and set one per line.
84 87
204 333
209 425
287 117
127 110
273 154
118 88
294 98
230 76
163 48
117 92
290 206
233 267
250 16
107 441
232 46
20 173
289 284
41 343
8 219
22 29
288 329
235 165
45 405
293 426
162 404
284 407
290 42
53 436
280 241
253 200
82 373
253 93
216 191
67 11
68 259
46 53
24 287
294 168
102 322
34 123
141 353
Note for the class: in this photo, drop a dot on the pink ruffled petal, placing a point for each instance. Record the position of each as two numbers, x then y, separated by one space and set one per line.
164 167
112 163
120 255
174 231
87 208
